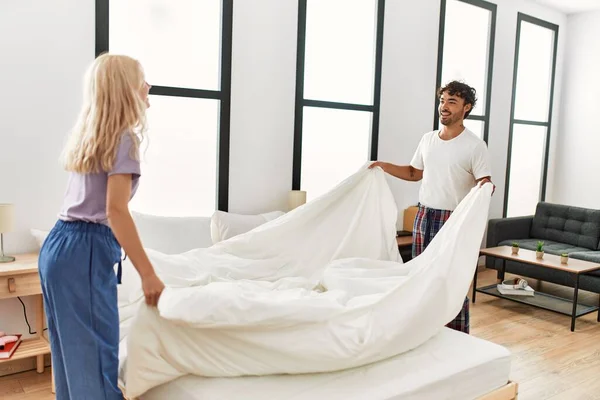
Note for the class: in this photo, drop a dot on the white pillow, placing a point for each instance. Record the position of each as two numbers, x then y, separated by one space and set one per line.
224 225
169 235
172 235
39 236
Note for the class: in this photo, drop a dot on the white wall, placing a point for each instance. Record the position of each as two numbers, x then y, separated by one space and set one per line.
263 87
502 90
46 46
579 141
263 90
408 86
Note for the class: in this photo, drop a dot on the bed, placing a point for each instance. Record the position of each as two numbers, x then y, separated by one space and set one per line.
451 365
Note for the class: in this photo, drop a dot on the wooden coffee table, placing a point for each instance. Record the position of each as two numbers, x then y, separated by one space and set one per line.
575 268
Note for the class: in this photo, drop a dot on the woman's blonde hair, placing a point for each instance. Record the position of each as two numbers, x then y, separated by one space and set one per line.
112 106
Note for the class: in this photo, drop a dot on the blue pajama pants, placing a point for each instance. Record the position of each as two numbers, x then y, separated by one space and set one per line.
79 285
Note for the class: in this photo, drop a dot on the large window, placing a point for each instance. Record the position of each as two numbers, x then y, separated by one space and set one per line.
531 115
338 86
466 53
186 54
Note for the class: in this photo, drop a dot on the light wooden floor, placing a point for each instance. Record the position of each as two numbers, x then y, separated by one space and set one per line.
549 361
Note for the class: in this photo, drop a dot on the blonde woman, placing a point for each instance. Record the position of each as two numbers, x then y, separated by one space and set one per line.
77 259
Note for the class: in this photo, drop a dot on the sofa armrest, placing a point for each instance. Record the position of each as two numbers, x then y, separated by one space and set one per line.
501 229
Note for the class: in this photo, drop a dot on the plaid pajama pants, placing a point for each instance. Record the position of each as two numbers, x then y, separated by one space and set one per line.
428 223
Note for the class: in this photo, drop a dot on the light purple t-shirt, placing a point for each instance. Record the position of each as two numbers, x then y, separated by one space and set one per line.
85 198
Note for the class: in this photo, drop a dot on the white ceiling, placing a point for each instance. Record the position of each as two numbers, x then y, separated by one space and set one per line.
571 6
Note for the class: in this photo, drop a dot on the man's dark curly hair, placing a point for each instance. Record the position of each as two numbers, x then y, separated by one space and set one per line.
462 90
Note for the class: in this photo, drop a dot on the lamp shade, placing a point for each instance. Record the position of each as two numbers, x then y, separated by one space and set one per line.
296 198
7 217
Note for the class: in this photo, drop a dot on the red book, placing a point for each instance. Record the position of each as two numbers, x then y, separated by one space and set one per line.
9 348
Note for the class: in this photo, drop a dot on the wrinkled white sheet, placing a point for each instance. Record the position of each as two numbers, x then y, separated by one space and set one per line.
321 288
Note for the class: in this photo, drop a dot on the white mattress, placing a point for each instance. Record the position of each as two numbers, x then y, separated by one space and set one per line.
451 365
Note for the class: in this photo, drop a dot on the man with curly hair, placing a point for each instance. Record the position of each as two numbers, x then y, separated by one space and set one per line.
449 161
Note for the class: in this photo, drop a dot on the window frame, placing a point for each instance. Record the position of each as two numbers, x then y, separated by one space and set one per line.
485 118
223 95
522 17
302 102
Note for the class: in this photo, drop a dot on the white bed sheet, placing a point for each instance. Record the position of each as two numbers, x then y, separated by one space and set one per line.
320 289
451 365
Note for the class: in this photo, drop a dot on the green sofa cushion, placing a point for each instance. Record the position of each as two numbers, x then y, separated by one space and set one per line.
592 256
550 246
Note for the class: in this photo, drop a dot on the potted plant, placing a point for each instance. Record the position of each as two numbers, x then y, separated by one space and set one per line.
515 248
539 253
564 258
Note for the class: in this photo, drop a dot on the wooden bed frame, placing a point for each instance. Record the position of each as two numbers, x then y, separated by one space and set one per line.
510 391
506 392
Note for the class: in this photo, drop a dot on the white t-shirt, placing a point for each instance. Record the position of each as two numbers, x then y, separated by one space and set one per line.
450 168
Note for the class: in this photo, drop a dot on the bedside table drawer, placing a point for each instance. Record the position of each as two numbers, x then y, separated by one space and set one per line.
20 285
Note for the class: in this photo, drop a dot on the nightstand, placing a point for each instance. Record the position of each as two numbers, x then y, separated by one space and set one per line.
405 245
21 278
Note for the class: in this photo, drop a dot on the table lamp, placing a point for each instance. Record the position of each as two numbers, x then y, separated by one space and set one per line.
7 222
296 198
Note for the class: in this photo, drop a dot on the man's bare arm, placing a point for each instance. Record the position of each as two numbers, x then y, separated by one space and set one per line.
405 172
